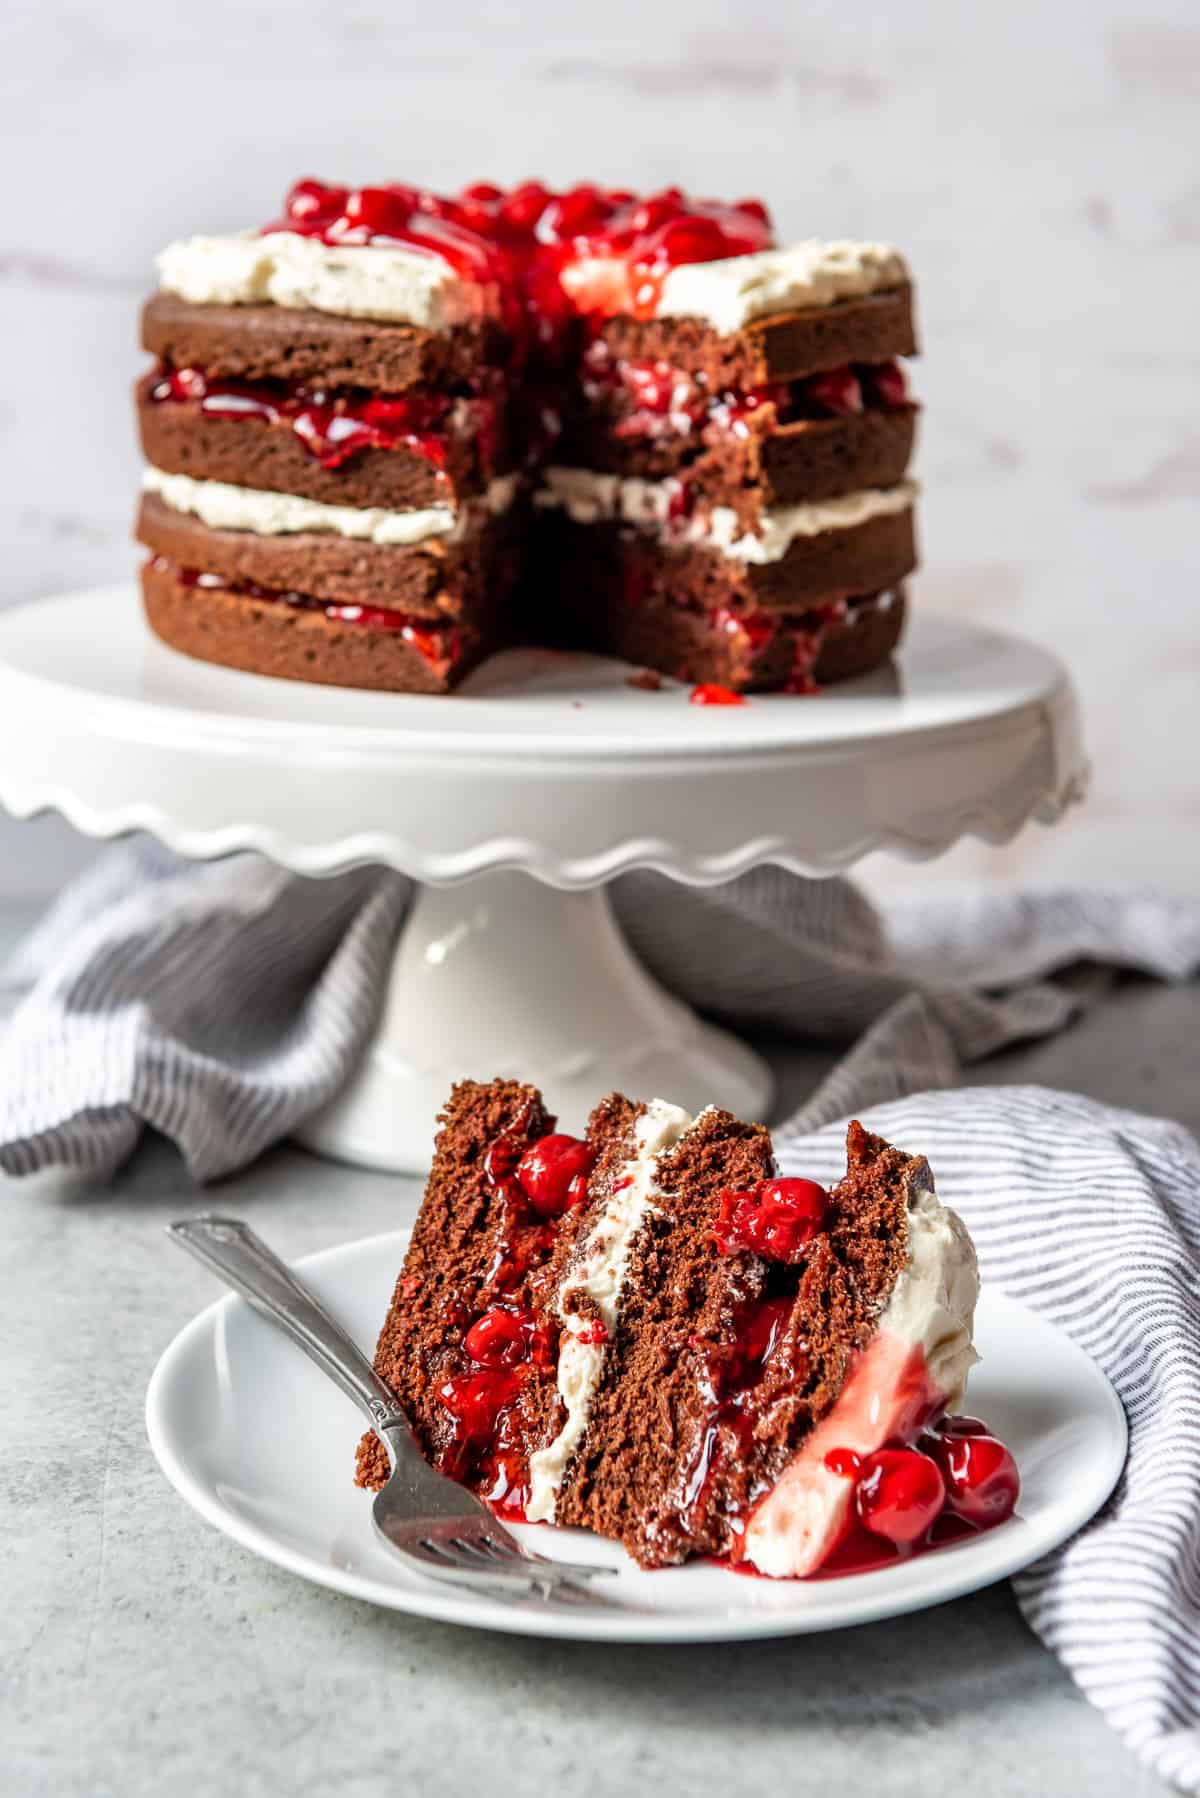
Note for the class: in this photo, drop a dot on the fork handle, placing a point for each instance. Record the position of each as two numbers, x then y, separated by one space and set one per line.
231 1250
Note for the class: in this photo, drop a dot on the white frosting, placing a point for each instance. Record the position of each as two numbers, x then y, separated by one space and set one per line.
931 1308
600 1275
590 498
227 508
402 286
729 294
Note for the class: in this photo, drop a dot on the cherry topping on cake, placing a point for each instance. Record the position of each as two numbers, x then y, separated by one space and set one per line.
548 1171
981 1478
711 693
776 1219
900 1494
844 1462
499 1338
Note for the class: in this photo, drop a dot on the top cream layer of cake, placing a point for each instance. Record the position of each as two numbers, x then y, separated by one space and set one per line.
281 268
404 286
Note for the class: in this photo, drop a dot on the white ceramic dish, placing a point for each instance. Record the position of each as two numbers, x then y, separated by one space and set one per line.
257 1441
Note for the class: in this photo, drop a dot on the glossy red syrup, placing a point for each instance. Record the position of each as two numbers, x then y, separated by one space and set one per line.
549 256
438 645
951 1483
710 693
332 426
508 1345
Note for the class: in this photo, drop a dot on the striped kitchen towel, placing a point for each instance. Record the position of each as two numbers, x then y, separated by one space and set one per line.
1092 1216
221 1004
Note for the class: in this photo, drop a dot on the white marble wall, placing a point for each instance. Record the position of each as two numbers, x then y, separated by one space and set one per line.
1036 161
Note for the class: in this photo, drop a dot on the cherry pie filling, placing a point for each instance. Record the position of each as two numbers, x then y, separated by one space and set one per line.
657 400
509 1343
548 256
439 645
335 424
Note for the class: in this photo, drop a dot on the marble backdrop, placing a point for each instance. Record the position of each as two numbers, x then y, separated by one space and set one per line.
1037 163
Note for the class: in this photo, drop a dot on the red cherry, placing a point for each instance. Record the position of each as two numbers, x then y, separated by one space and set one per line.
547 1170
524 206
712 694
691 240
959 1425
900 1494
886 384
498 1338
483 191
309 200
982 1482
378 212
655 210
838 391
777 1219
844 1462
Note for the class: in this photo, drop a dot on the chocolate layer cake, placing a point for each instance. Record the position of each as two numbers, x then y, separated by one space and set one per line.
584 417
650 1334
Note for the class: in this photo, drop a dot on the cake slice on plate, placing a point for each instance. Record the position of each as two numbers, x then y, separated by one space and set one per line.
650 1334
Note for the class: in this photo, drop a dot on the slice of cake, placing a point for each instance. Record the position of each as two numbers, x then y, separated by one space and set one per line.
349 409
331 492
650 1334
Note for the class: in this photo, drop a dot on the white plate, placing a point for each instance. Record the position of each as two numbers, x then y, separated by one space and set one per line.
262 1445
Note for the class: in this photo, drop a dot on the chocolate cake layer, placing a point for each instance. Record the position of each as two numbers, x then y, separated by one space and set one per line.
812 649
256 343
768 464
436 578
265 635
876 328
181 438
615 564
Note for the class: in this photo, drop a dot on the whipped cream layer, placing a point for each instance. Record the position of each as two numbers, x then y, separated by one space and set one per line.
224 507
281 268
916 1363
729 294
592 498
599 1274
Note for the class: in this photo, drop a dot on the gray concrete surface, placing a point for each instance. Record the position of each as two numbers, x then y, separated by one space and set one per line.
142 1653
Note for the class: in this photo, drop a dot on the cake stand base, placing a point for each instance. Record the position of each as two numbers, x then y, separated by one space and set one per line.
503 975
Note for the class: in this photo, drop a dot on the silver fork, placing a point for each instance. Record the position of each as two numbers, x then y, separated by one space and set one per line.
438 1526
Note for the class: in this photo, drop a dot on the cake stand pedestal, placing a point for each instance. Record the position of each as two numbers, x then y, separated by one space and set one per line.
513 804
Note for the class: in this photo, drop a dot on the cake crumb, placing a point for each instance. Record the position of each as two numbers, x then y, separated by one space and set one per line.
646 680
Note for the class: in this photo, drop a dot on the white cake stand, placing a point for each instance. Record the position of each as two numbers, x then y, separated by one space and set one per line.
513 804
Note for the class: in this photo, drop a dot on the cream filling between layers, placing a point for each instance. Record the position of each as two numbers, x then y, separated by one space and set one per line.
281 268
591 498
919 1357
729 294
600 1274
224 507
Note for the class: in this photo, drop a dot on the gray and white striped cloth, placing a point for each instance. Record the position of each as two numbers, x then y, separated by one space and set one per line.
221 1004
